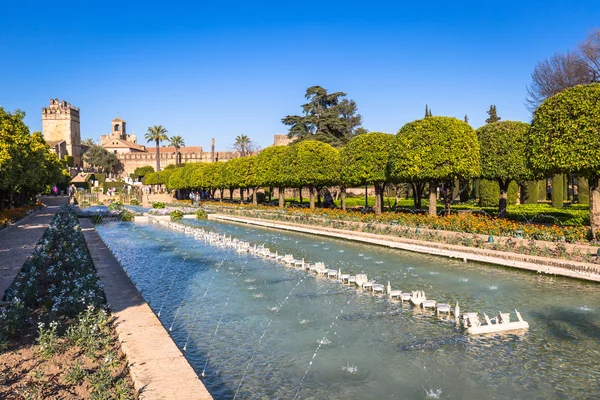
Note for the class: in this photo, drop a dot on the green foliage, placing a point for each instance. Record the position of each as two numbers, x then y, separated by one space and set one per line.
564 133
502 151
100 158
269 166
127 216
75 374
70 160
156 134
312 163
27 166
201 214
557 190
364 159
158 204
90 331
115 205
141 172
489 192
176 215
493 115
47 339
328 117
531 193
434 149
583 190
134 202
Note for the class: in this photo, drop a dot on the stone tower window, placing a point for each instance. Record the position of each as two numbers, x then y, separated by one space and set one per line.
117 127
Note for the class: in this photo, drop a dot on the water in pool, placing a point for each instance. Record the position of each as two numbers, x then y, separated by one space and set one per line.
256 329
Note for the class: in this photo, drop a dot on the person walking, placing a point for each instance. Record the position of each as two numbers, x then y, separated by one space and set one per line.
55 191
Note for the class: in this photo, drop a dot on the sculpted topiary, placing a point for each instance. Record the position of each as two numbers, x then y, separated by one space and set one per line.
565 138
434 150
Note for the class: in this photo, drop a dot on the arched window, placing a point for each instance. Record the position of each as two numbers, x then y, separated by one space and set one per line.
117 127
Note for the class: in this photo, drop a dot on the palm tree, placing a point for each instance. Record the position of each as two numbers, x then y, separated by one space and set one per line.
177 142
241 144
157 134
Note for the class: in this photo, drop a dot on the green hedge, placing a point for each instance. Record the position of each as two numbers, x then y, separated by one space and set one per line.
489 193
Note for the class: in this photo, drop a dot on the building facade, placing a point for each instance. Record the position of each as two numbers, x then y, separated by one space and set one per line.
61 129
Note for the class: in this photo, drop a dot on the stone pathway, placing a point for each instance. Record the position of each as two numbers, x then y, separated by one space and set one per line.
157 367
18 241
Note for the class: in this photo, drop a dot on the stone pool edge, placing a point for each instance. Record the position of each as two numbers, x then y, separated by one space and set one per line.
525 262
156 365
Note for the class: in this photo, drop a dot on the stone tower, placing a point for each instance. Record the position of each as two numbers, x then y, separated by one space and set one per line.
60 122
119 130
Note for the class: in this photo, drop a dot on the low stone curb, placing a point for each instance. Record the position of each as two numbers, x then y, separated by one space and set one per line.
545 265
156 365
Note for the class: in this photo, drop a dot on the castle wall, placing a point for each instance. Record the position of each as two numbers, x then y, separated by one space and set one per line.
131 161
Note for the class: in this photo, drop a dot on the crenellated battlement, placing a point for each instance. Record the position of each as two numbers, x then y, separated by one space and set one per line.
60 109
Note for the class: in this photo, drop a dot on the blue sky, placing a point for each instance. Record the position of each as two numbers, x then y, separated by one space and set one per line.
208 70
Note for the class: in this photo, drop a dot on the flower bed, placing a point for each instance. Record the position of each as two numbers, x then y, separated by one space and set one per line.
58 295
462 222
8 217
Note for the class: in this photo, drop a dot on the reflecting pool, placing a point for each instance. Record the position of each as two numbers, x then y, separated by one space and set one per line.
254 328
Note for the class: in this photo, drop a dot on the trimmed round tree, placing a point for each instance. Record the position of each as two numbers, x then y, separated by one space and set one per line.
313 164
435 150
565 138
363 162
269 171
503 156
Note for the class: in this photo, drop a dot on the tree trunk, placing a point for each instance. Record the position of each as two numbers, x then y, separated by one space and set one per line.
157 156
343 197
270 193
432 199
382 197
318 197
377 205
221 194
503 197
2 198
583 190
311 190
448 196
281 193
557 191
300 190
417 192
594 185
255 196
366 196
241 195
230 194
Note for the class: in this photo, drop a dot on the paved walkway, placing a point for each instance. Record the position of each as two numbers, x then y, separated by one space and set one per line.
18 241
157 367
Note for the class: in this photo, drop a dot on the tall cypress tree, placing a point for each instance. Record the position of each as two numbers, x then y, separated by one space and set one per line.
426 111
493 116
466 119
